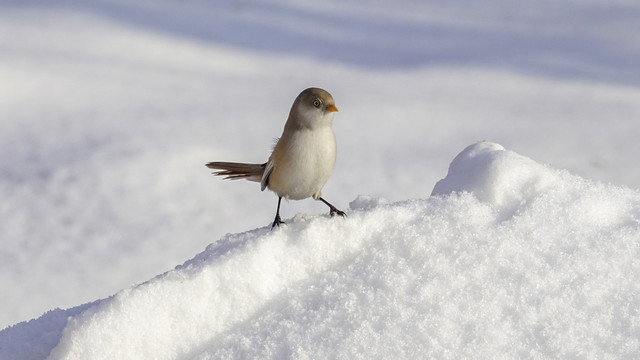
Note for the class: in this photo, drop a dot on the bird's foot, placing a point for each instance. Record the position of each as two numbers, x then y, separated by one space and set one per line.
277 221
333 211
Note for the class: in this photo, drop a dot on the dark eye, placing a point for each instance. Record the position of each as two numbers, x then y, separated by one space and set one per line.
317 103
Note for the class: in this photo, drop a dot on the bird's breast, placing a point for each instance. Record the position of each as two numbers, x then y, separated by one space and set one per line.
303 162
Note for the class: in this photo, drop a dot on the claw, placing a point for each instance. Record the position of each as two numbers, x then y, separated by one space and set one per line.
333 211
277 222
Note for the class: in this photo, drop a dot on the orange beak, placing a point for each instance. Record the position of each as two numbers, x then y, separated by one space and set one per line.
331 108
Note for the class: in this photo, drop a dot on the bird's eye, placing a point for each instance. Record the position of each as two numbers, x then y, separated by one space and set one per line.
317 103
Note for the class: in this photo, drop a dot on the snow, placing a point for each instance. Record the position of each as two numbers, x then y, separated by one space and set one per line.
110 109
521 260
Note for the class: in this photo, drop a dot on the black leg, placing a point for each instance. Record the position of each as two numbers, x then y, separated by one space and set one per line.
277 220
332 209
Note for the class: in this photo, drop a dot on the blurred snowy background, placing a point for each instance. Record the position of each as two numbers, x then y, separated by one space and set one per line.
110 109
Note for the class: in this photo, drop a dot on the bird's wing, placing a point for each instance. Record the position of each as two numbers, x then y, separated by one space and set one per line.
265 175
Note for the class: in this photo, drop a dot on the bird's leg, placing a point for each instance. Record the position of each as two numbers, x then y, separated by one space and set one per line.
332 209
277 220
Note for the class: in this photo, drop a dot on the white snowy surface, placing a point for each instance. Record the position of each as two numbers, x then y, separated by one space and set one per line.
109 110
520 260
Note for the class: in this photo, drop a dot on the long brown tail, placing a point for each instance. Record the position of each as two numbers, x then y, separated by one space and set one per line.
235 171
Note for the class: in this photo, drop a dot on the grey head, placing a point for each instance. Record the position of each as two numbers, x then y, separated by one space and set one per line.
314 107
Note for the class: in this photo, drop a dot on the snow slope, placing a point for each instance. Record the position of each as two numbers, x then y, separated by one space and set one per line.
110 108
508 258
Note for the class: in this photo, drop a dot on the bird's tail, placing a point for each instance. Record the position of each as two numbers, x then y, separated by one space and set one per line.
235 171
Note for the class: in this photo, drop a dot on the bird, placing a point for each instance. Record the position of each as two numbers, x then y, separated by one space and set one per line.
303 157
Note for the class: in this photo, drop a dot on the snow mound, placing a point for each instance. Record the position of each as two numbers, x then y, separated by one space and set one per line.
508 258
497 176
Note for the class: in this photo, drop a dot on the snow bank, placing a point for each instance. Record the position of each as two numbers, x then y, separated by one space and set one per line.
107 117
507 258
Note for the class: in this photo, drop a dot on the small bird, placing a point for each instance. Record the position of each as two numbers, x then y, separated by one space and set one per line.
303 157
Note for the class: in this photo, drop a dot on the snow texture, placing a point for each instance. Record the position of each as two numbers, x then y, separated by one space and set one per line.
109 110
507 258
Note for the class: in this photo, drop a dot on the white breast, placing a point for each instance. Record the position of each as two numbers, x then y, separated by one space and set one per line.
303 166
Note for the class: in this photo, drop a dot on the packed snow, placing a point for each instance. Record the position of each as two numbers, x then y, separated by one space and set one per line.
507 258
109 110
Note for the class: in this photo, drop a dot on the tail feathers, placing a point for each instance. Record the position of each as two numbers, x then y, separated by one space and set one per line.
235 171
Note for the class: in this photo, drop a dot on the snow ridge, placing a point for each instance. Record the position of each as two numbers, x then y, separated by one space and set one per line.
508 257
